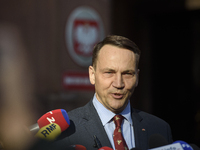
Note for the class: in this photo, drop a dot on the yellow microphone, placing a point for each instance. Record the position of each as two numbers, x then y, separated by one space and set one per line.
49 132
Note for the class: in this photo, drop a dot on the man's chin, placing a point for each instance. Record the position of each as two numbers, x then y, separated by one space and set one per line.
118 108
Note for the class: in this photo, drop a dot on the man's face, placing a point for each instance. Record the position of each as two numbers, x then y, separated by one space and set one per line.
115 77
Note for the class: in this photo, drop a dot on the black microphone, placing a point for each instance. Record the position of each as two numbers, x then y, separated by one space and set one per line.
157 140
97 142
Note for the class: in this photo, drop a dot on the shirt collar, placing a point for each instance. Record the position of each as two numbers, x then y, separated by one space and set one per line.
106 115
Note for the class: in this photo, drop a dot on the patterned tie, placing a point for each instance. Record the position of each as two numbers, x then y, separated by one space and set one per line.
118 138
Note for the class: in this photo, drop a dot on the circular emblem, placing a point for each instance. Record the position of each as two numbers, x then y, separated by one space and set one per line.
84 29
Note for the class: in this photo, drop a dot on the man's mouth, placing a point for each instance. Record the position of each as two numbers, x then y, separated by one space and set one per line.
117 95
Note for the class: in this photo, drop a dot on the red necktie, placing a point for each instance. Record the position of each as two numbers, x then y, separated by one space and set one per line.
118 138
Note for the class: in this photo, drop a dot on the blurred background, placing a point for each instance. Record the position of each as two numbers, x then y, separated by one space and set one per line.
58 36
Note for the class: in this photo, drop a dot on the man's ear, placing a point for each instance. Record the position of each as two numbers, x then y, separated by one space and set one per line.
92 75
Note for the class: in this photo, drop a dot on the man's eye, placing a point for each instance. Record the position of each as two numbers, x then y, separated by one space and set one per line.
108 74
129 74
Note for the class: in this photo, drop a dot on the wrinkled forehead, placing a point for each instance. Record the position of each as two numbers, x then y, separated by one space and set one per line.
114 56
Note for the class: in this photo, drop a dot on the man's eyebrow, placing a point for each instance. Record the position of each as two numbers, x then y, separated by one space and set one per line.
125 71
129 71
108 69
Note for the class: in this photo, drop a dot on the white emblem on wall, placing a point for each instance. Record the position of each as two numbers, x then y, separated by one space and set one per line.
84 29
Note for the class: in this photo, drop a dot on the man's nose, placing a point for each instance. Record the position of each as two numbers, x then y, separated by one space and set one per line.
118 81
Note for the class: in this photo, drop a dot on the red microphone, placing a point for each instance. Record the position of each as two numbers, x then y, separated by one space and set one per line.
58 116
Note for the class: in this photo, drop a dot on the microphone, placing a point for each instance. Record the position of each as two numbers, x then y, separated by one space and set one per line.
105 148
174 146
157 140
177 145
76 147
184 145
34 128
97 142
58 116
49 132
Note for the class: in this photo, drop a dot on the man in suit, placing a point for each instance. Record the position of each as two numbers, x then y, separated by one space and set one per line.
114 73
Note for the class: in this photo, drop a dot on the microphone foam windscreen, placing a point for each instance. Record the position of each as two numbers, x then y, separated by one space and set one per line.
58 116
184 145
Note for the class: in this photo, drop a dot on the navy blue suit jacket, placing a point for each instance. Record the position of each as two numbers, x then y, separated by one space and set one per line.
85 123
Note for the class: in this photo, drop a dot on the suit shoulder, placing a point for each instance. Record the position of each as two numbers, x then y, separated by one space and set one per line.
150 118
155 124
80 115
76 113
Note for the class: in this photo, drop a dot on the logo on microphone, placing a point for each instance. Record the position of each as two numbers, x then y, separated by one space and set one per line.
51 120
49 132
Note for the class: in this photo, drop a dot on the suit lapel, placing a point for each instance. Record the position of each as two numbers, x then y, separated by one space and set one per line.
140 131
94 125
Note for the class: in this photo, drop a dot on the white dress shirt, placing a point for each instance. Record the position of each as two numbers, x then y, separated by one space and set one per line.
109 125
